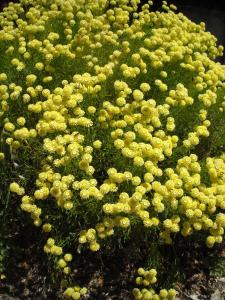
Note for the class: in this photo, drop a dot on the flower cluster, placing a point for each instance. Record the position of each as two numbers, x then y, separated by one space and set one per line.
75 292
146 278
148 294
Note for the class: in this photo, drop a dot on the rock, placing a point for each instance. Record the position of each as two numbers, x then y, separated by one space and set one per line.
216 295
7 297
194 297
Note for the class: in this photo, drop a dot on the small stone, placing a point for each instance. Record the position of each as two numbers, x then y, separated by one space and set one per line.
194 297
216 295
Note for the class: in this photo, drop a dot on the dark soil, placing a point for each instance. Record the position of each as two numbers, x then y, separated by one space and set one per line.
195 270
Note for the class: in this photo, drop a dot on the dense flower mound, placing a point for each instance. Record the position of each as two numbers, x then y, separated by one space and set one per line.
113 118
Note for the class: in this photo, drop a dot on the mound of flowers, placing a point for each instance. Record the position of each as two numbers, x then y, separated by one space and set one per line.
107 112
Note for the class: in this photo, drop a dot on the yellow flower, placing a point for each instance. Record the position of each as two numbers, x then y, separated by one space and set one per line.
15 188
94 246
91 109
3 76
50 242
163 293
210 241
136 180
138 161
97 144
138 95
139 280
124 222
141 271
66 270
30 79
68 257
120 101
61 263
56 250
2 156
145 87
9 126
39 66
76 295
47 227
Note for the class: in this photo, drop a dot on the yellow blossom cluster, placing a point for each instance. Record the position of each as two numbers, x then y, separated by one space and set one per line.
15 188
90 237
179 96
148 294
62 263
146 278
105 109
50 247
75 292
28 205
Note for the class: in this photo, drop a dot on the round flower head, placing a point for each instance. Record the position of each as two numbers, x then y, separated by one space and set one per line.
138 95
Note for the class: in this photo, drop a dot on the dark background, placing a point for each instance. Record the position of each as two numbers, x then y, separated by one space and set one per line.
212 12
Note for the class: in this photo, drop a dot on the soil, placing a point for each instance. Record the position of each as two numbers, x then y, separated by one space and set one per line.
110 274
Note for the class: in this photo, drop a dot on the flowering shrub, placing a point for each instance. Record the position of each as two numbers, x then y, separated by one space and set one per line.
113 118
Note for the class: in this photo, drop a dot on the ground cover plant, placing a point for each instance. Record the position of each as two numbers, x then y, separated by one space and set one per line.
112 133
